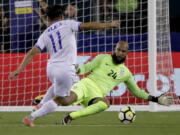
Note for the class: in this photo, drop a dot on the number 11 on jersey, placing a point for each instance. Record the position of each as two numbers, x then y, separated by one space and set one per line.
53 41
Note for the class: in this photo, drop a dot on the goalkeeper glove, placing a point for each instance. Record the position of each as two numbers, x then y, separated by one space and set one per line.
165 100
162 100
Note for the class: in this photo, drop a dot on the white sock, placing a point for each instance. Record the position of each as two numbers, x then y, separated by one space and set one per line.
47 108
48 96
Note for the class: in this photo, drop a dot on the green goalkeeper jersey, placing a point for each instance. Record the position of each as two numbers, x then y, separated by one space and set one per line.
107 75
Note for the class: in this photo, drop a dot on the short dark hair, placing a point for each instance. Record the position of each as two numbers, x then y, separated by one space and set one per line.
55 11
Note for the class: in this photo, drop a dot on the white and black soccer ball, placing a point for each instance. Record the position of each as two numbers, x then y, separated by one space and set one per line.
127 115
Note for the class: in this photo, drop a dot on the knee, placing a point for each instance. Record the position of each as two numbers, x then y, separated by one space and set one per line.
103 105
105 100
63 101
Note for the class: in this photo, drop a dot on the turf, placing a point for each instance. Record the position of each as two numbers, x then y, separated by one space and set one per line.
106 123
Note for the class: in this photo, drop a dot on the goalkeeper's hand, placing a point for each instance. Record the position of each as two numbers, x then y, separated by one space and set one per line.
165 100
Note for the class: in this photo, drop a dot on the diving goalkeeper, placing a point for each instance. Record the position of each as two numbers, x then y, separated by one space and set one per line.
106 71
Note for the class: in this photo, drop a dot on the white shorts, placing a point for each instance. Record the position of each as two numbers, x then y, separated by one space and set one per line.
62 77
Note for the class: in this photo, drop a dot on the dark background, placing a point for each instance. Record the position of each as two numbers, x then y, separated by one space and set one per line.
175 15
174 26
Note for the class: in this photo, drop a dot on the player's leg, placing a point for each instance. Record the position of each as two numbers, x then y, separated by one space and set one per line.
51 105
93 100
62 81
48 96
76 95
65 101
98 105
79 90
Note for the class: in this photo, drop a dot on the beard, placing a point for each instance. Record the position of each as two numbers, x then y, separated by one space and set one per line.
116 60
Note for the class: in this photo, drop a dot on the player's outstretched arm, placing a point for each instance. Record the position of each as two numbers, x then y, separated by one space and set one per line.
137 92
97 25
162 100
88 67
27 59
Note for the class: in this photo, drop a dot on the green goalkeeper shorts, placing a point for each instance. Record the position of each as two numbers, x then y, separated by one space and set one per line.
86 90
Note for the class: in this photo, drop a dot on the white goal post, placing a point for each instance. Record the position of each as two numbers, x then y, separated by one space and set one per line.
144 24
159 30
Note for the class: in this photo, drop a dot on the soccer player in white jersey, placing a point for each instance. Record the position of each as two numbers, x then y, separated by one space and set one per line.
59 40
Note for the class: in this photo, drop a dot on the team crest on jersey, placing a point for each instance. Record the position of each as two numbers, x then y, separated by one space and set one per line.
122 72
74 87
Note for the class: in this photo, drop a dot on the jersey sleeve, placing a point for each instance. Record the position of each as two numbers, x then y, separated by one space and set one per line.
41 43
134 89
91 65
74 25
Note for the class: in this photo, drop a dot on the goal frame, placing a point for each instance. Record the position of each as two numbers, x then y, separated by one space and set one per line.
152 60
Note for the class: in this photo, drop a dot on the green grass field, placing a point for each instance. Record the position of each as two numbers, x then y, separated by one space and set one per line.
106 123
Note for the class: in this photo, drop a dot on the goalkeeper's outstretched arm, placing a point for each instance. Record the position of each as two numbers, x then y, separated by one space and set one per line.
90 65
137 92
162 99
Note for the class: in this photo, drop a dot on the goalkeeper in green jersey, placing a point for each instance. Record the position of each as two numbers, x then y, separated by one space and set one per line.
106 71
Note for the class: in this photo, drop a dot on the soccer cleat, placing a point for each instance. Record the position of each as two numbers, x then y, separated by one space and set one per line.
27 121
37 107
67 120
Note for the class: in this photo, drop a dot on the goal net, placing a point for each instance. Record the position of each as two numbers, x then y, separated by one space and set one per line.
144 25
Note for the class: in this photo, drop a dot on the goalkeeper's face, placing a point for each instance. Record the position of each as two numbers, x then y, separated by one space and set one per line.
121 51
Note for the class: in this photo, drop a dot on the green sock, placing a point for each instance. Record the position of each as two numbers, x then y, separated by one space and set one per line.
92 109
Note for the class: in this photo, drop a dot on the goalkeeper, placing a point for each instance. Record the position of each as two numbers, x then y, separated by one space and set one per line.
106 71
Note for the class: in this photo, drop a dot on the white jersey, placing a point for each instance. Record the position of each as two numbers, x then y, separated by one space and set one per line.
59 40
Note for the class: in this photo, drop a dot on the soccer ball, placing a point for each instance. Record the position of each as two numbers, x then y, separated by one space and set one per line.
127 115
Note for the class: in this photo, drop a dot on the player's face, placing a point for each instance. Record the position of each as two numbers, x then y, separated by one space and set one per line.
121 51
